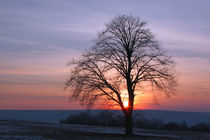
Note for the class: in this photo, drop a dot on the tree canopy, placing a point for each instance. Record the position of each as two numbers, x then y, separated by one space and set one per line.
125 56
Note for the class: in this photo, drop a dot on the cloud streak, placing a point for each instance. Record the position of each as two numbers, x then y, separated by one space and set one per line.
38 38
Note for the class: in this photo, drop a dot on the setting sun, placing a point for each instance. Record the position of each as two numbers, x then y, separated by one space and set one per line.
125 103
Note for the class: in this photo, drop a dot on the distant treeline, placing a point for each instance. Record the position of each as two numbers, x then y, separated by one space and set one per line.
108 118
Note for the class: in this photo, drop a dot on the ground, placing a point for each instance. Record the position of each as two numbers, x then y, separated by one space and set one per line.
30 130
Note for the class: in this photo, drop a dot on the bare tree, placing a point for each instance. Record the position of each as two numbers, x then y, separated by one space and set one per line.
125 56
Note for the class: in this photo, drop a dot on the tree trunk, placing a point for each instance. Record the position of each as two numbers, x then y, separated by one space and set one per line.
128 123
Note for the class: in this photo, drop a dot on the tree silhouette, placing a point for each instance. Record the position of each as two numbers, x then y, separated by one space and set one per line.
125 56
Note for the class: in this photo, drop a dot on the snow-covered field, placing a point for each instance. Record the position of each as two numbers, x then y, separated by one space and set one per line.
30 130
44 125
54 116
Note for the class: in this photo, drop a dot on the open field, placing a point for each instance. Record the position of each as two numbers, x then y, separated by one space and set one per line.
54 116
30 130
44 125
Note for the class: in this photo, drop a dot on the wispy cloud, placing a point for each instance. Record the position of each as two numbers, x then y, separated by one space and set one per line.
31 43
191 40
37 97
39 37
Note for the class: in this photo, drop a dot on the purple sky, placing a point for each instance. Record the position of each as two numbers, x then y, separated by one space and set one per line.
37 38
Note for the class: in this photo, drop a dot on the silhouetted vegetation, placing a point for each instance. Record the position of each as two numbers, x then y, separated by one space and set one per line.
200 127
149 124
125 56
103 118
108 118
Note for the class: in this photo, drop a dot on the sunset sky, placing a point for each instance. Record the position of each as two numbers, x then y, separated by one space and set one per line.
39 37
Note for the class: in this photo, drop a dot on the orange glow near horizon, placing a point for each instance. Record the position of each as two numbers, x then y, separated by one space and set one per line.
46 93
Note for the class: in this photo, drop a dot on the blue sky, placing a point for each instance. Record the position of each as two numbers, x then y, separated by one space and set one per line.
37 38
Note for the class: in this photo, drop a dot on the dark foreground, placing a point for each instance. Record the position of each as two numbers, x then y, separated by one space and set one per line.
28 130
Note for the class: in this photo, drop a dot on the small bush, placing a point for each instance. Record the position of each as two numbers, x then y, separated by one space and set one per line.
172 126
200 127
149 124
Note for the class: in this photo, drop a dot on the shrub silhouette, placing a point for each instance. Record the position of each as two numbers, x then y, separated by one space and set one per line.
103 118
149 124
114 119
200 127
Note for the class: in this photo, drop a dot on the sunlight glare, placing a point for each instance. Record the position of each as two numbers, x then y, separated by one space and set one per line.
125 103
